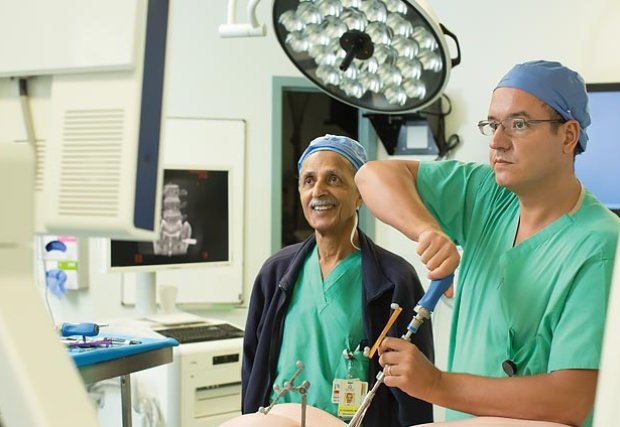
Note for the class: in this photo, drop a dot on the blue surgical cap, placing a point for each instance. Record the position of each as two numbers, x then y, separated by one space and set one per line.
558 86
352 150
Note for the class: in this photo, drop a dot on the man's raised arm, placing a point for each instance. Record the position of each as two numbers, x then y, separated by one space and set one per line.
388 188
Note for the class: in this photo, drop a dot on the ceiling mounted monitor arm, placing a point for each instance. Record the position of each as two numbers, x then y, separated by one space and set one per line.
233 29
388 127
394 133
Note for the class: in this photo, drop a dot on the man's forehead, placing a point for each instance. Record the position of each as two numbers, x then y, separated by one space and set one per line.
325 160
508 101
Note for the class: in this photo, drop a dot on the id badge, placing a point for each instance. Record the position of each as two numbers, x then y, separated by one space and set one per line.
348 395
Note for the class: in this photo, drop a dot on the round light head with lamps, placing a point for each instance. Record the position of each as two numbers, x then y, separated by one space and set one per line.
384 56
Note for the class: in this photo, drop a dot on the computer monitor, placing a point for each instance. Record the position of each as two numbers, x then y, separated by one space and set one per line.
598 168
194 230
92 76
82 88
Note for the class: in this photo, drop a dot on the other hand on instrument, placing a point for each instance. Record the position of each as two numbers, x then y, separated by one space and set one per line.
406 367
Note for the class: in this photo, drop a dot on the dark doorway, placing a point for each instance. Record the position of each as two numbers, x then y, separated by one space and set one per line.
305 116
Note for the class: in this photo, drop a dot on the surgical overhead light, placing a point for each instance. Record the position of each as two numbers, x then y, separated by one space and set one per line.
384 56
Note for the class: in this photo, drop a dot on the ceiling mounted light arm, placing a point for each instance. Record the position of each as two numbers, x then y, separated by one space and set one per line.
233 29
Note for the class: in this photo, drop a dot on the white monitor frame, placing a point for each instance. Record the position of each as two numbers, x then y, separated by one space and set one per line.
216 144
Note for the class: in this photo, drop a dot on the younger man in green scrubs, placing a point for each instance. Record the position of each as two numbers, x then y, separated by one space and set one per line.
538 256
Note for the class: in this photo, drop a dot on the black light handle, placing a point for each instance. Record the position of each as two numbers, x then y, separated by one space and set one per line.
455 61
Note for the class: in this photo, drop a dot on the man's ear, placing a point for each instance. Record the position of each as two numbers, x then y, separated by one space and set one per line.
571 136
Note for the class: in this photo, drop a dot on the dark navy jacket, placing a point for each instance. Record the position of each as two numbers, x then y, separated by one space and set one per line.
386 278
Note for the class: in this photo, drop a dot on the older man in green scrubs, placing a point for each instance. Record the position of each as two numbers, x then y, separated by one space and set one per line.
326 300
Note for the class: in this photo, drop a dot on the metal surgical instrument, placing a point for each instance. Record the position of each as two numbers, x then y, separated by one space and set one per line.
423 312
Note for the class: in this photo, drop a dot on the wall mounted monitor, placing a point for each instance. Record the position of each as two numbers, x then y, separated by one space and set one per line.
598 168
194 229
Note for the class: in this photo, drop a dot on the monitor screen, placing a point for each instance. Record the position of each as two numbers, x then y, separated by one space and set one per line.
194 226
598 168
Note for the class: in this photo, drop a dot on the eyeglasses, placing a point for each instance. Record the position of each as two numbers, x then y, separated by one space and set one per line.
512 127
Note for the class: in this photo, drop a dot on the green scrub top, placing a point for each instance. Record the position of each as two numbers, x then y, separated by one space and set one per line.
540 303
323 319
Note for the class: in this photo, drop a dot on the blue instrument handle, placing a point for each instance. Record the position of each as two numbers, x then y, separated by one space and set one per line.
85 329
435 291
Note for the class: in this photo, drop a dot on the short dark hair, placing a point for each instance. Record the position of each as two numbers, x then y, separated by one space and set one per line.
554 115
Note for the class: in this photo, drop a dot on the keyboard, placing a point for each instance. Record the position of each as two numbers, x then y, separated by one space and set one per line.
202 332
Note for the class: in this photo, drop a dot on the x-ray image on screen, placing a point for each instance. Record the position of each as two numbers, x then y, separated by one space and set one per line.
194 226
175 229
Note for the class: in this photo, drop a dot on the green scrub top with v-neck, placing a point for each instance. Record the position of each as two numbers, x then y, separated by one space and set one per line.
541 303
323 319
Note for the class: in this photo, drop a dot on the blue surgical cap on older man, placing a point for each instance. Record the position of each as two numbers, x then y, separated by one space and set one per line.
558 86
352 150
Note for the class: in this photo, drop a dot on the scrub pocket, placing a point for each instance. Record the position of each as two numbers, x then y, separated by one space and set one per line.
529 356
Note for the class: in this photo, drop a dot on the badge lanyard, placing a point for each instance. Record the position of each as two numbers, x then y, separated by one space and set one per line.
348 393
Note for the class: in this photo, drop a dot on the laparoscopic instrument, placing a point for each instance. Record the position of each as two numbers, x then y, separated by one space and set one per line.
423 311
87 329
83 329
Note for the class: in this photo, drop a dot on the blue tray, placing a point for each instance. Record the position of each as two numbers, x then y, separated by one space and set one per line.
90 356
